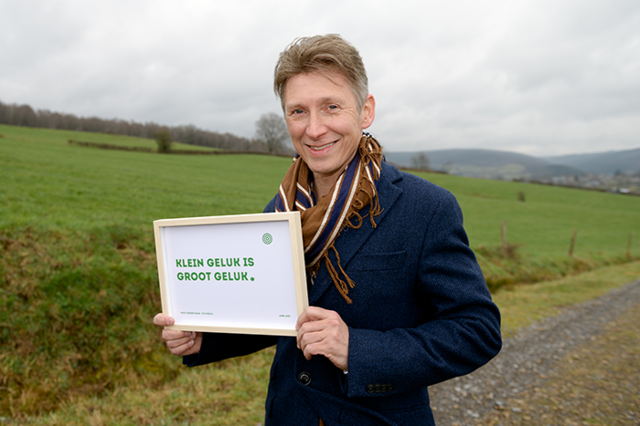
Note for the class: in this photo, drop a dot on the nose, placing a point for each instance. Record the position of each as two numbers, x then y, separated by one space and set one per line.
315 127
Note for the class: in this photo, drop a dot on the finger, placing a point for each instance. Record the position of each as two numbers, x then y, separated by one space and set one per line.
315 333
308 337
163 320
309 328
312 313
316 319
333 349
174 343
181 349
168 334
303 318
315 313
317 343
315 348
303 330
330 322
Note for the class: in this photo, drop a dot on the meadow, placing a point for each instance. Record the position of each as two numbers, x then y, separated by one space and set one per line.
79 284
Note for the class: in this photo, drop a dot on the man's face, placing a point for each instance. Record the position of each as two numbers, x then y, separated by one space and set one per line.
324 122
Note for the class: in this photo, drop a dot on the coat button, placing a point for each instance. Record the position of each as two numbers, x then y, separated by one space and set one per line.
304 378
371 388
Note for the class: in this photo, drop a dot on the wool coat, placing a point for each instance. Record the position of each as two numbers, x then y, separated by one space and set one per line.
421 314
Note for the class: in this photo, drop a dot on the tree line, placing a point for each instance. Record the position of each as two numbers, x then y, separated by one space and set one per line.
25 115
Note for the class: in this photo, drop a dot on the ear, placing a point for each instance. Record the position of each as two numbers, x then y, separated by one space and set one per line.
368 111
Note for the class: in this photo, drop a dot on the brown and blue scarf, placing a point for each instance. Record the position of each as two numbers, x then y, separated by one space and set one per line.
324 219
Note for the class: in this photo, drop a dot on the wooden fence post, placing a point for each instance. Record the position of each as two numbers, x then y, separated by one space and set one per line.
573 242
505 247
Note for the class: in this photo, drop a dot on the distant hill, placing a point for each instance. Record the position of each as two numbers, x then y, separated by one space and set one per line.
604 162
510 165
486 163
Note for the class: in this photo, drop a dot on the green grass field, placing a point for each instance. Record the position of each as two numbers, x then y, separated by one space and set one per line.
79 282
54 185
542 227
545 221
51 184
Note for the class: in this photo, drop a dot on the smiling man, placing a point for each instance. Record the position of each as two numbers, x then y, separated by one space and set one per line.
325 122
397 299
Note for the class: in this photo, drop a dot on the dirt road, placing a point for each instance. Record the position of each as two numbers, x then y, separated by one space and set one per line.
579 368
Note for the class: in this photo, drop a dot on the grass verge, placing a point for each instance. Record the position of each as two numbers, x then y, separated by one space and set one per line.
75 310
233 392
523 305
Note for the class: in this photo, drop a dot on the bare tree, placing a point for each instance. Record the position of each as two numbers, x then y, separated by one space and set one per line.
420 161
272 129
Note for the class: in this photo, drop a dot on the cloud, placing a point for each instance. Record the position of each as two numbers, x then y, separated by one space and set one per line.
535 76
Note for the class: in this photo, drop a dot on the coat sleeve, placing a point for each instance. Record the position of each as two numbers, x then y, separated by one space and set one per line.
219 346
461 327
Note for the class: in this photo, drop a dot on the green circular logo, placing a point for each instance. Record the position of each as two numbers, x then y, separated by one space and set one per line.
267 239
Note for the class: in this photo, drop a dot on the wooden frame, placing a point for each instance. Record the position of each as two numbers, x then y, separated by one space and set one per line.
234 274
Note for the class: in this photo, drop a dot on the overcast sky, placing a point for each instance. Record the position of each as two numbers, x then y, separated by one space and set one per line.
540 77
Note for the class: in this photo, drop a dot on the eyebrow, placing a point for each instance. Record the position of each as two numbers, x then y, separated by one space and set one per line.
324 100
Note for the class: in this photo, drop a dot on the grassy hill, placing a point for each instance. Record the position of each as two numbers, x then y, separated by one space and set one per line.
77 263
488 164
492 164
627 161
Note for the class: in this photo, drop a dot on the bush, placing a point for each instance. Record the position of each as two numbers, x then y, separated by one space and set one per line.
163 139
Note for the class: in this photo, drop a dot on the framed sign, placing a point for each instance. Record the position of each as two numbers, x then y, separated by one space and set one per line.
234 274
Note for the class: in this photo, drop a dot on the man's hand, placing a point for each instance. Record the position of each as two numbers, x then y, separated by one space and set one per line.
179 342
322 332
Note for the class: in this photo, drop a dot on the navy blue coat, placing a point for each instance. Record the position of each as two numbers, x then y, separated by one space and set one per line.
421 314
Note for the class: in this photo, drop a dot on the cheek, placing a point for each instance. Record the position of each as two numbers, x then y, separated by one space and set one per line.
295 130
346 125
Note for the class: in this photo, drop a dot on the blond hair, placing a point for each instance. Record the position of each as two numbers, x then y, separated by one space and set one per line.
324 54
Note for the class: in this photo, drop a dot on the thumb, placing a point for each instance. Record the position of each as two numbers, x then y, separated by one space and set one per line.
163 320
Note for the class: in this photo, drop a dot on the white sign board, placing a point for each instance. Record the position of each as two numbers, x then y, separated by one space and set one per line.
234 274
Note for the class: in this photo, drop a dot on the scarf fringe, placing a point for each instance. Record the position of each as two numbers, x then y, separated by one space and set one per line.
341 285
372 160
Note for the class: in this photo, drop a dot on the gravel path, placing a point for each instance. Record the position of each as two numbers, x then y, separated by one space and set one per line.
527 359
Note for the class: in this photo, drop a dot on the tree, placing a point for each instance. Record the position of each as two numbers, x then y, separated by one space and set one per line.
24 115
420 161
163 139
272 129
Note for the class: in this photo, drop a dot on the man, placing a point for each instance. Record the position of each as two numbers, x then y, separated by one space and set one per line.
397 299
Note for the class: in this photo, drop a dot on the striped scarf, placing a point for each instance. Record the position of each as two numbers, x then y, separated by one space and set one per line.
323 220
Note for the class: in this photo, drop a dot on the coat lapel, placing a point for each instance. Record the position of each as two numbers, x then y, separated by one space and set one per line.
350 240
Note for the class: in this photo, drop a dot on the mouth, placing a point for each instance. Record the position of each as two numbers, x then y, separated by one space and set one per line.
320 148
